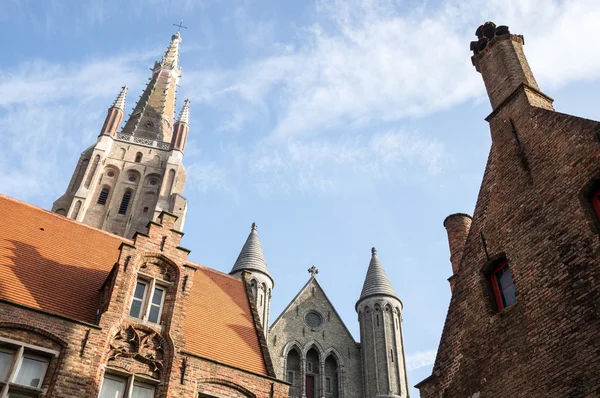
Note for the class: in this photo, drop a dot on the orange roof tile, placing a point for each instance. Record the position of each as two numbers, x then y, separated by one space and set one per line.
52 263
219 322
55 264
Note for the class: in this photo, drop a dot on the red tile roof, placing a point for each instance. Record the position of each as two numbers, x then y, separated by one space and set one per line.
58 265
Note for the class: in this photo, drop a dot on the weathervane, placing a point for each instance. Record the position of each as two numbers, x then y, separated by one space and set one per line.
180 25
313 270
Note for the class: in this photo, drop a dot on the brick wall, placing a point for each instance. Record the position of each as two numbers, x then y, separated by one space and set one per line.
533 210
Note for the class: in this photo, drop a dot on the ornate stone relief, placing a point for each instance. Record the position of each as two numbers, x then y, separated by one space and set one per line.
143 346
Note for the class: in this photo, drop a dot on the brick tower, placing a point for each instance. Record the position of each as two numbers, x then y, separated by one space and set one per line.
128 177
524 318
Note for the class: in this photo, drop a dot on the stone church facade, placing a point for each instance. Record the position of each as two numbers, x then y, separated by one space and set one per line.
523 319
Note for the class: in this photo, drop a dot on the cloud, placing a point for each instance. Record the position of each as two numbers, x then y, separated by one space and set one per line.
420 359
364 61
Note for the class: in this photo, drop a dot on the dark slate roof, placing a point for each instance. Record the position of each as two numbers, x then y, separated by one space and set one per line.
251 257
376 281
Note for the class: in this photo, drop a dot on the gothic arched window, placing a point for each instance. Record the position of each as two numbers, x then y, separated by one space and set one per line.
125 202
103 196
138 157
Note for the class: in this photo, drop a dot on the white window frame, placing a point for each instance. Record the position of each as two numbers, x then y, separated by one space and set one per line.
129 380
21 350
151 285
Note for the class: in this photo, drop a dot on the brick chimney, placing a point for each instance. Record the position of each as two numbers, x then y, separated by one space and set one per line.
499 57
457 226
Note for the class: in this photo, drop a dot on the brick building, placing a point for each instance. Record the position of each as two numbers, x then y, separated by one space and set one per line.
98 298
524 317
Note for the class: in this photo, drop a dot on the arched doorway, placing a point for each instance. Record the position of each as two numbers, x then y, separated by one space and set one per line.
312 373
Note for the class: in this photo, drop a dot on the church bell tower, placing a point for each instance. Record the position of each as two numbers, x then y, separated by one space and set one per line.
129 176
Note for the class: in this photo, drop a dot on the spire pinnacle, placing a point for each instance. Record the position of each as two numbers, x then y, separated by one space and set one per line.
171 57
184 116
251 257
120 101
376 281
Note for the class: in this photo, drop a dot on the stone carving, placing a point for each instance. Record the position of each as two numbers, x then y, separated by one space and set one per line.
485 33
144 346
165 272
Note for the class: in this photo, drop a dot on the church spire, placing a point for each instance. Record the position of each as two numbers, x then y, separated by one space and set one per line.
153 115
376 281
115 113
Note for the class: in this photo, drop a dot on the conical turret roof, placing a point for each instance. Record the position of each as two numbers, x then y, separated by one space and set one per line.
184 116
376 281
120 101
251 257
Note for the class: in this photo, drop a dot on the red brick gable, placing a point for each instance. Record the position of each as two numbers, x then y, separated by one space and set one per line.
54 264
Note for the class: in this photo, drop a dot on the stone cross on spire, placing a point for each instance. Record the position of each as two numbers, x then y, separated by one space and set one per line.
313 271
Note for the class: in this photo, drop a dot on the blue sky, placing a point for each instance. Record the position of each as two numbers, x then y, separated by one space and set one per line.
335 125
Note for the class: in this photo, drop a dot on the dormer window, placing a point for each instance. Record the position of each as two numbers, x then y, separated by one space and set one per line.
147 302
503 286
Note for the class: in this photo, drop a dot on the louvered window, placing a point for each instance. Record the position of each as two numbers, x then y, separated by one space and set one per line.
125 202
103 196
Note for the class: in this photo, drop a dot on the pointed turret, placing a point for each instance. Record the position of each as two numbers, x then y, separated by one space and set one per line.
251 257
115 113
376 281
184 116
382 348
120 101
153 115
252 260
182 127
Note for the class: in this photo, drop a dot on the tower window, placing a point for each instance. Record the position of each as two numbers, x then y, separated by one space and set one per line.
103 196
125 202
503 286
138 157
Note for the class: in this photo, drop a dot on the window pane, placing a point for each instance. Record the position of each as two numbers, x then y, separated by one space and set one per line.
136 308
31 372
509 295
112 388
140 288
157 296
154 312
6 359
140 391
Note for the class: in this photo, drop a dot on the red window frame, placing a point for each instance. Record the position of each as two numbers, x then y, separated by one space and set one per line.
496 288
596 203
